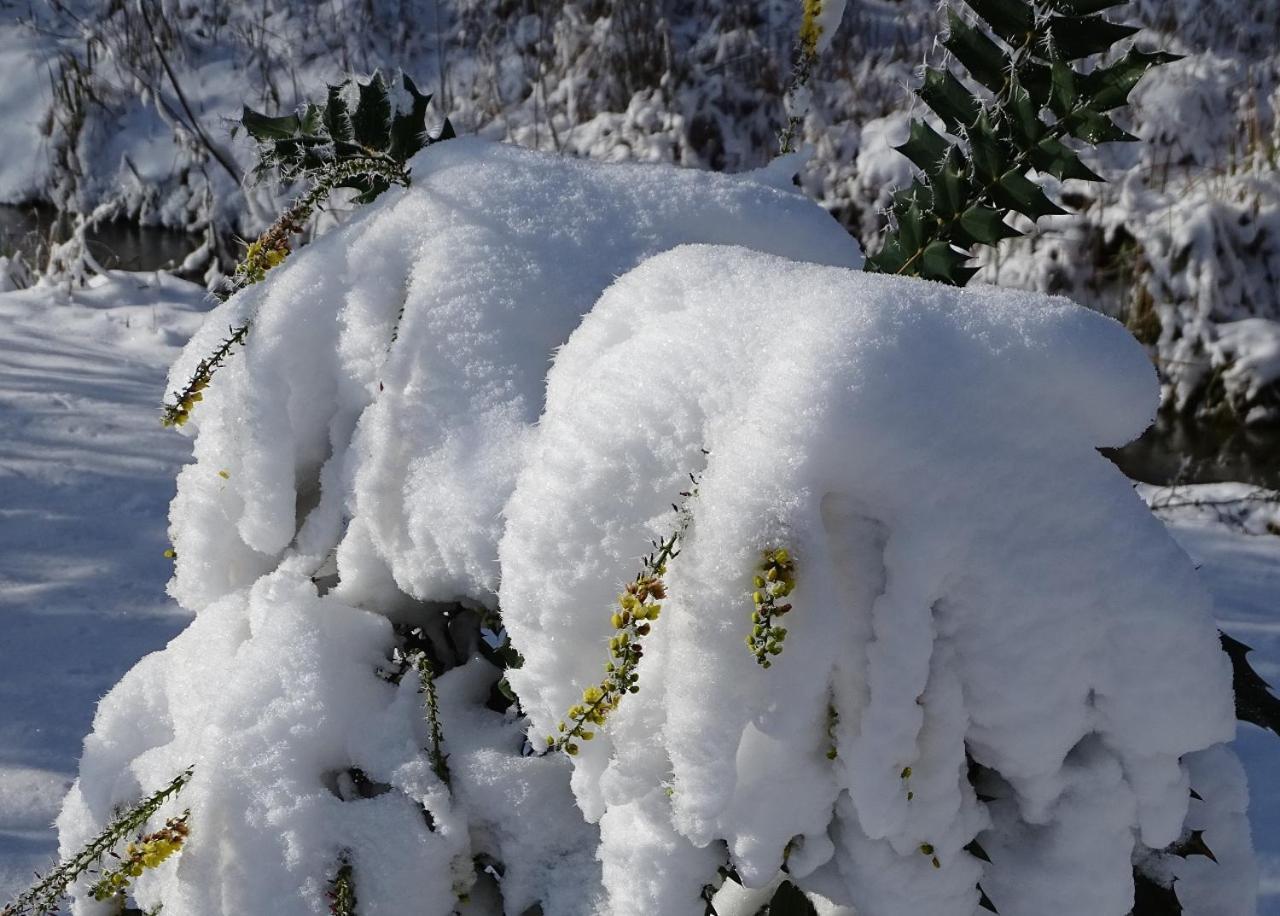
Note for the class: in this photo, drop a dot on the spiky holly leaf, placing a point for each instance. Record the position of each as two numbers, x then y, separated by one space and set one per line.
1012 20
265 129
985 226
940 261
1109 87
1055 158
337 116
981 56
925 147
789 900
1077 37
1152 899
409 128
949 99
1254 701
985 902
1017 192
1084 7
371 120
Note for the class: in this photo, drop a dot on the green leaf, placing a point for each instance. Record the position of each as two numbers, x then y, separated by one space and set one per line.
986 226
1092 127
911 227
1074 37
943 264
985 902
1019 193
1036 79
949 99
916 195
1022 115
1109 87
372 117
981 56
1012 20
1064 98
1152 899
989 160
263 128
409 129
1055 158
925 147
789 900
1084 7
337 117
975 849
1254 702
951 186
889 260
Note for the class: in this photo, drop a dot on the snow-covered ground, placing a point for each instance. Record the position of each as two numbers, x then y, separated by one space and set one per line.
86 474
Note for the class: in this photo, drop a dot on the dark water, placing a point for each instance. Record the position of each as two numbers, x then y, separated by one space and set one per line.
116 245
1176 451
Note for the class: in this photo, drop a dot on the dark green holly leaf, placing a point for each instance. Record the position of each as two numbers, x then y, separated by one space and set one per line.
989 160
1151 899
984 901
944 264
1074 37
1022 114
975 849
1193 845
949 99
981 56
889 260
263 128
789 900
1063 97
1012 20
1035 78
372 117
915 195
1084 7
446 131
985 226
951 186
409 128
312 121
337 116
1094 128
911 227
925 147
1017 192
1055 158
1109 87
1254 702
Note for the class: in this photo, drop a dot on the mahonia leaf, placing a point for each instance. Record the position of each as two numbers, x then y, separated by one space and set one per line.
372 118
1019 193
949 99
925 147
1109 87
263 128
1254 702
337 116
1084 7
1076 37
409 129
1194 845
789 900
986 226
981 56
1012 20
1055 158
1152 899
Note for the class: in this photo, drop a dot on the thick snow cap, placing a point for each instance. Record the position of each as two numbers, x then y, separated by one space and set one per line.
396 367
976 585
991 637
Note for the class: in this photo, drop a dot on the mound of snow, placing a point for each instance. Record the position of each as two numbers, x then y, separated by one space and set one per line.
974 581
481 395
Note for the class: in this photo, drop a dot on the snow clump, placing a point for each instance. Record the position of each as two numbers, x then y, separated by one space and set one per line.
480 397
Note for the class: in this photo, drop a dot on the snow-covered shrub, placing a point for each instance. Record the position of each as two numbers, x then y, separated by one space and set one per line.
460 419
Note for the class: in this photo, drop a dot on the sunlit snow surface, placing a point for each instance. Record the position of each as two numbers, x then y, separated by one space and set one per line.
109 437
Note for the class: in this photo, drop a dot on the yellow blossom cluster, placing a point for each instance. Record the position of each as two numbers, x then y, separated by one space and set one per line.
148 852
775 578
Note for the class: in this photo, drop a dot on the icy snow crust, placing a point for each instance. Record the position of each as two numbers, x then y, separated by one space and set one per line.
972 576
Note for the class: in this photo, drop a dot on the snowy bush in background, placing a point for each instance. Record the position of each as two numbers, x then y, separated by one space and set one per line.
460 419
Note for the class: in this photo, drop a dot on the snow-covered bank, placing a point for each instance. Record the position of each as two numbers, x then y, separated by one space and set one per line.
86 473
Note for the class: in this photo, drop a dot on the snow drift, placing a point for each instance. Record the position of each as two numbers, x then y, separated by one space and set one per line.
435 421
